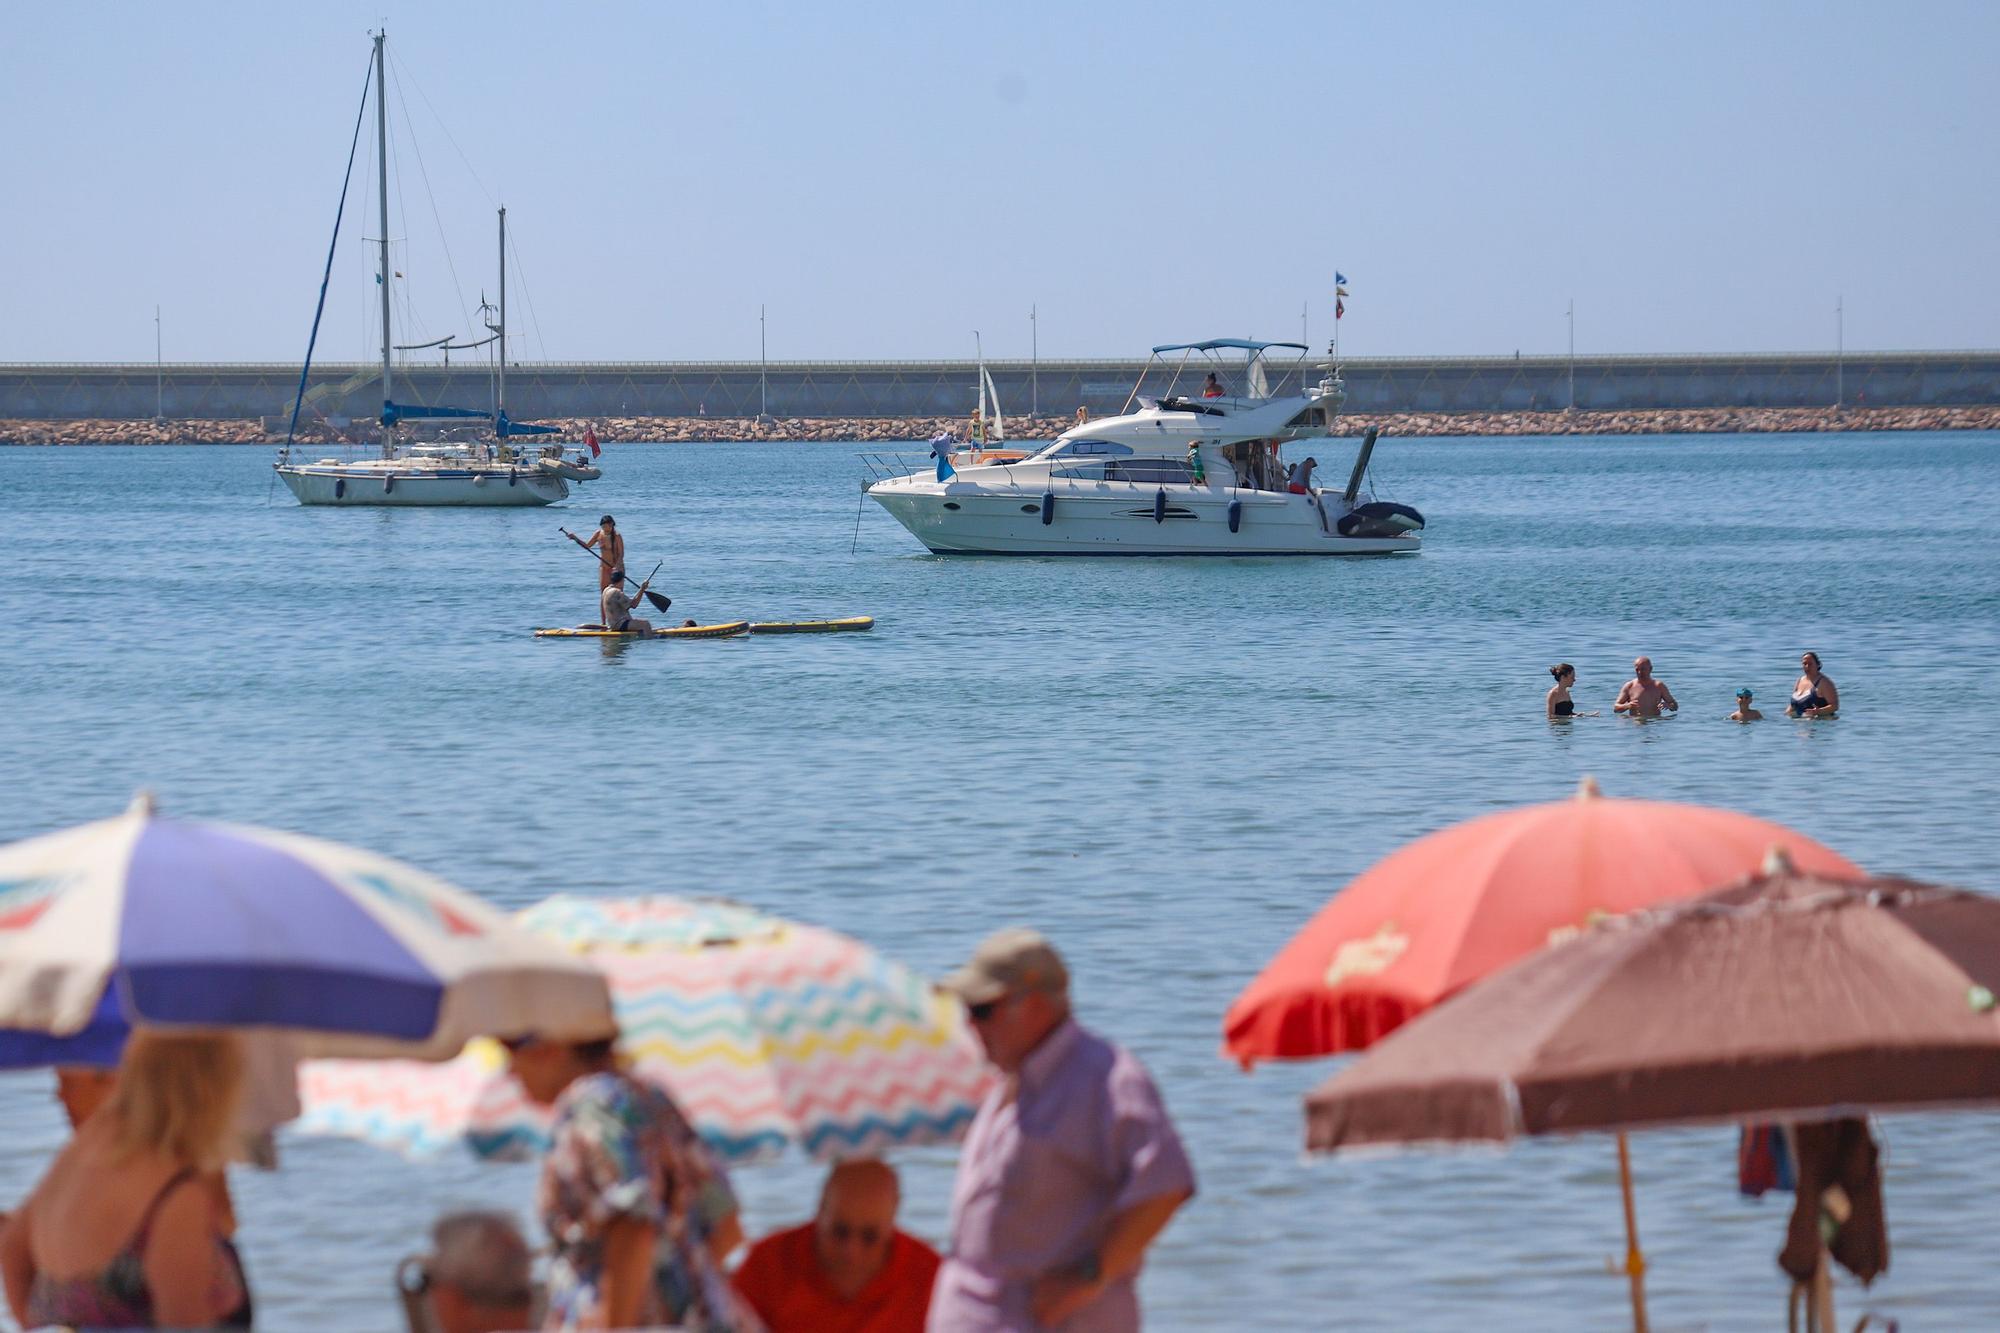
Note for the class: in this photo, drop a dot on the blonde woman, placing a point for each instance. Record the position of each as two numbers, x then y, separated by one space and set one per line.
127 1229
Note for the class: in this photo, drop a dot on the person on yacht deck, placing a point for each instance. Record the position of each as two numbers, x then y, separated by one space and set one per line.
1299 479
1212 388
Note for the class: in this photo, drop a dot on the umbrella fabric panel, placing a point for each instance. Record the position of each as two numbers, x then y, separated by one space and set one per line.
1815 1000
220 929
61 896
766 1032
1452 907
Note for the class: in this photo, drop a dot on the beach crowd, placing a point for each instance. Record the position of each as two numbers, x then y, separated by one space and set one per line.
1070 1170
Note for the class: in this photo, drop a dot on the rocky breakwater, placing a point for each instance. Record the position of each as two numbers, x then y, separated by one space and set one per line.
902 430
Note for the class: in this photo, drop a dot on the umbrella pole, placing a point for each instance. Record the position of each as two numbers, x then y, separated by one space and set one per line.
1635 1261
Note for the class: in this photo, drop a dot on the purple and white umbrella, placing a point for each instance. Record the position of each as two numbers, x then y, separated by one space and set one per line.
144 921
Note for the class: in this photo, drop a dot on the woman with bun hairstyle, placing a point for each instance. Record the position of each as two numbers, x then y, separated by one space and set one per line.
1558 704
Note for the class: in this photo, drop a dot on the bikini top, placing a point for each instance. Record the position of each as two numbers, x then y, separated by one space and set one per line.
116 1296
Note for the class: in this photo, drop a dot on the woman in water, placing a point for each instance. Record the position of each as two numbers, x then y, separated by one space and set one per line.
1558 701
1814 695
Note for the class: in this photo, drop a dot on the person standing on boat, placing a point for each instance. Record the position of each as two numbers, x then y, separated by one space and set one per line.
1643 696
617 607
1299 481
1814 695
1212 388
610 547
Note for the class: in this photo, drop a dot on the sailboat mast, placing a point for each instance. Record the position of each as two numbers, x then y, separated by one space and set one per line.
979 350
500 413
382 201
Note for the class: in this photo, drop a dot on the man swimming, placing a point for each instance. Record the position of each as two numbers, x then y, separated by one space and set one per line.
1643 696
1744 712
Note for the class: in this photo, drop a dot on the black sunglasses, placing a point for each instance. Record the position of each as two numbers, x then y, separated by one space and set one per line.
985 1009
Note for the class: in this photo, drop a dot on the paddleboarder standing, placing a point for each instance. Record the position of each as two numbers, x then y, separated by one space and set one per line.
610 547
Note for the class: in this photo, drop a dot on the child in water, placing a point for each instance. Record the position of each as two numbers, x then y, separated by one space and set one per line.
1744 712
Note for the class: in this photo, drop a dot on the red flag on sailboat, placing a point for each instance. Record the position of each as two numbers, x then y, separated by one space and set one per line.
1339 307
590 438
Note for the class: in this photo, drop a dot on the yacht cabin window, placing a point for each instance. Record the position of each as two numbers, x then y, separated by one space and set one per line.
1153 471
1088 449
1312 416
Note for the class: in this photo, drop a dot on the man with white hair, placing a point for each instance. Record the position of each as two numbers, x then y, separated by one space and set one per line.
478 1278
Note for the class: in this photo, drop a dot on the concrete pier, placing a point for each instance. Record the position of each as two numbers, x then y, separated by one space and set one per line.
945 389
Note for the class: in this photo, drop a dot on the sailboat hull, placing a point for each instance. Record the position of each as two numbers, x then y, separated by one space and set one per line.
455 487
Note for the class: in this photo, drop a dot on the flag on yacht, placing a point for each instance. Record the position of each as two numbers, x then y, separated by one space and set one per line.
1339 278
1338 308
1339 290
590 438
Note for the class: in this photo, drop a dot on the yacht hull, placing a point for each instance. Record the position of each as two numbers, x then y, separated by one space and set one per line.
1124 519
440 487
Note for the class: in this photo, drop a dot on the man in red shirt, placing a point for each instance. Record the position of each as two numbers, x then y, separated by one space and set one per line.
849 1270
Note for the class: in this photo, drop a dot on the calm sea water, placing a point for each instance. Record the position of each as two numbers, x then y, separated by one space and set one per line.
1167 765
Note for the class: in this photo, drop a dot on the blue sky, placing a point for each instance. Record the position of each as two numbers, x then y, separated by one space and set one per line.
886 178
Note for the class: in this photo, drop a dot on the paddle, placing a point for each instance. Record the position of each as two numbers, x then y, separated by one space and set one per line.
660 601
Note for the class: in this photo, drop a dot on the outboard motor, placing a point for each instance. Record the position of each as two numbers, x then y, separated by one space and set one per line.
1380 518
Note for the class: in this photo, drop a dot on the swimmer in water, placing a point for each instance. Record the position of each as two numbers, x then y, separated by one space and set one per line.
1814 695
1744 712
1643 696
1557 704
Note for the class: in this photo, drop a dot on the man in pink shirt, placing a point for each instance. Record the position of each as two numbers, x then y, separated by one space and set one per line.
1071 1167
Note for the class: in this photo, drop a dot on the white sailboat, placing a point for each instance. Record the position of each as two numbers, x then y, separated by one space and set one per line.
499 474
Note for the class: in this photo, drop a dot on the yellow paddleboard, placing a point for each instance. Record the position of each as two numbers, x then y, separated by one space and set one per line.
724 631
812 626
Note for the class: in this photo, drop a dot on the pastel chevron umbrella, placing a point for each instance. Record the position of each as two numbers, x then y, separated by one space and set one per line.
766 1031
141 920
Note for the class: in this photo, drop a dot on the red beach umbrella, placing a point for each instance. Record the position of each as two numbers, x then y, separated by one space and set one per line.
1450 908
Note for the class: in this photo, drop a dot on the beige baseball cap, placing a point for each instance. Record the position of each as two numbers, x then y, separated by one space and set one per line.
1015 959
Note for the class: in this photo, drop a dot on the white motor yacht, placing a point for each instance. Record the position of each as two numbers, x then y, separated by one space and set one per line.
1182 475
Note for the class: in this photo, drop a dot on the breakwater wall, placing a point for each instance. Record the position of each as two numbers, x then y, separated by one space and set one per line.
341 393
901 430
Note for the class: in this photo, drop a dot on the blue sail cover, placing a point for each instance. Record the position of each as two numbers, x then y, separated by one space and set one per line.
394 412
1215 344
505 426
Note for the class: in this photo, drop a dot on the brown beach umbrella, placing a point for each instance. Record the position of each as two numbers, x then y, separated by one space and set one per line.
1783 997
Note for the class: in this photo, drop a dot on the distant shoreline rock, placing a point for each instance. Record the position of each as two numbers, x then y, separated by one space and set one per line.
902 430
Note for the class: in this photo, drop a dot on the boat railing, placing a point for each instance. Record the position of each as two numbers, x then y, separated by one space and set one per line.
888 466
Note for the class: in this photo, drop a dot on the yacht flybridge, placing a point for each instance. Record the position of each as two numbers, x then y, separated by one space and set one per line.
470 473
1197 473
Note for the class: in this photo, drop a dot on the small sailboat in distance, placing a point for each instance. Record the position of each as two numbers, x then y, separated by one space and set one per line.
499 474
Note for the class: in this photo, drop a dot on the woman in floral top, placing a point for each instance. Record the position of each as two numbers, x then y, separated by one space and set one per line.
638 1211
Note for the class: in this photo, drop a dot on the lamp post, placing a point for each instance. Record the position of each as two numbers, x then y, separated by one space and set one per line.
1572 354
1034 365
1839 351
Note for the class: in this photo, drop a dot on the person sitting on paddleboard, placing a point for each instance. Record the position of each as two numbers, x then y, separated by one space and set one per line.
618 607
